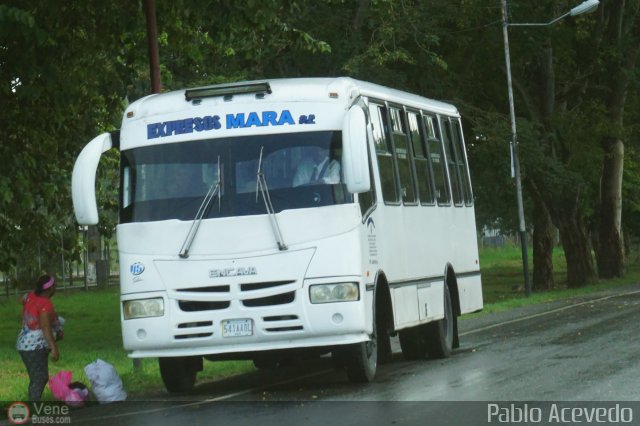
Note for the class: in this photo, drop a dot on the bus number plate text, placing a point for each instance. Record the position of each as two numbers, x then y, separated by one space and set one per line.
237 327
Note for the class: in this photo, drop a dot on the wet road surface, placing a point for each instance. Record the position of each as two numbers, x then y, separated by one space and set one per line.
584 349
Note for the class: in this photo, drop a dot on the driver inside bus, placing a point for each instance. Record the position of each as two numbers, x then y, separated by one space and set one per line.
320 167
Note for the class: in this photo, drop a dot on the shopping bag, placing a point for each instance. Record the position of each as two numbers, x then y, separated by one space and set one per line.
78 394
59 385
105 382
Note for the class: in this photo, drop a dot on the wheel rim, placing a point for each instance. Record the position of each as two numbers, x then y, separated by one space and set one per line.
371 348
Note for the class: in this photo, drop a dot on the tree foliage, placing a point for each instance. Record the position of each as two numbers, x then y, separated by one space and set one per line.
67 69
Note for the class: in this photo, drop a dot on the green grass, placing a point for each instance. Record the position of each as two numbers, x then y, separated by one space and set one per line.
502 276
503 280
93 331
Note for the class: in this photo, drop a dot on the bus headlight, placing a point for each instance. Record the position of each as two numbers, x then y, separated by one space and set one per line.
340 292
143 308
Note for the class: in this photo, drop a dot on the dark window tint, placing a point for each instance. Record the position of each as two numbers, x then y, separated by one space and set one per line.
456 191
421 160
170 180
437 158
461 161
368 199
383 153
401 144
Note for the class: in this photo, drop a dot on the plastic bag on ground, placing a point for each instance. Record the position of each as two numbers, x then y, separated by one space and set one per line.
59 384
105 382
78 394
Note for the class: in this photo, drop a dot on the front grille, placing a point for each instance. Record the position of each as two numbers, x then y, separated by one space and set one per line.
192 336
196 334
261 286
195 324
278 299
292 328
282 323
280 318
250 295
211 289
195 306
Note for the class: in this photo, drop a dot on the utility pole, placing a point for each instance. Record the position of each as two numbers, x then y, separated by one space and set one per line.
515 160
154 71
585 7
152 43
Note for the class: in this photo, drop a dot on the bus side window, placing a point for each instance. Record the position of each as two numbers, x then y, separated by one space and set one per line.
436 157
452 163
401 145
383 153
421 160
463 166
368 199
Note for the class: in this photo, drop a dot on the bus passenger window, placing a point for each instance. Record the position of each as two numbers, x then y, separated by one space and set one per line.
436 157
452 163
383 153
458 143
401 144
421 161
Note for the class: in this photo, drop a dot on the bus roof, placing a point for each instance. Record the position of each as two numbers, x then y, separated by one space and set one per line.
292 90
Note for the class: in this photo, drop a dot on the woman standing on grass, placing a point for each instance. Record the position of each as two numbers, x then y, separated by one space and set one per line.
40 330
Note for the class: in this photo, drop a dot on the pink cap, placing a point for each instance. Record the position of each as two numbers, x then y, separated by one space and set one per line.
48 284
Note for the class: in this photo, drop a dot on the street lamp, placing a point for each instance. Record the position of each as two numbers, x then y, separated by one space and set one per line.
585 7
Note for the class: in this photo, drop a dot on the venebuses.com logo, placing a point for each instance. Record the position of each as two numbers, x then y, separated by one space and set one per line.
18 413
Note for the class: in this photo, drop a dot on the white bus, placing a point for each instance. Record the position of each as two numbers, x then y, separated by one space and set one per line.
233 244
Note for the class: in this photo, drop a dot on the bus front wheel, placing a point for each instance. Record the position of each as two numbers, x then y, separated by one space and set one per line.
361 360
179 373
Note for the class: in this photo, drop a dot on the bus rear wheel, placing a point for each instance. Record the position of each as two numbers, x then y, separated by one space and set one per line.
439 334
179 373
413 342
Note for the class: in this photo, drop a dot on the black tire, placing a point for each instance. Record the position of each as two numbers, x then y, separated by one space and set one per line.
385 354
439 335
361 359
384 323
413 343
179 373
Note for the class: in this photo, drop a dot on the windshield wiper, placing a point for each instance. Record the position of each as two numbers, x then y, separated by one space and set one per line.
214 190
261 184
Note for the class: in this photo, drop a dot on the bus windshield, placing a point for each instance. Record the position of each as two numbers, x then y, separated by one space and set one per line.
169 181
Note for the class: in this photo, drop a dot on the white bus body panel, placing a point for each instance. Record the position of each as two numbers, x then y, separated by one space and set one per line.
246 244
332 244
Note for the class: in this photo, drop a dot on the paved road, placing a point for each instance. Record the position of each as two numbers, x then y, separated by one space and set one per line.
584 349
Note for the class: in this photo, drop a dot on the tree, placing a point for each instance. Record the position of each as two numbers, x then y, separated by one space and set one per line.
620 42
52 100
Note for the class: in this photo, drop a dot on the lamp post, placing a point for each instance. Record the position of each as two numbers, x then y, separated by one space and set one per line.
585 7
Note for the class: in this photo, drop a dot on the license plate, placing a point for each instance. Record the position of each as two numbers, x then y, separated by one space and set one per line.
237 327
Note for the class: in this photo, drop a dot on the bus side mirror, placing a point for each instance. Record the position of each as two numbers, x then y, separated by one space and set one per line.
355 159
83 179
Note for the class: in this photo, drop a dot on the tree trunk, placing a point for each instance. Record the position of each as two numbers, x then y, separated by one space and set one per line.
577 250
543 236
611 248
619 74
543 230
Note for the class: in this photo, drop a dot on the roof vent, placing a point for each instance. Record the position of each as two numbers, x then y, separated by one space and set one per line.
226 90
